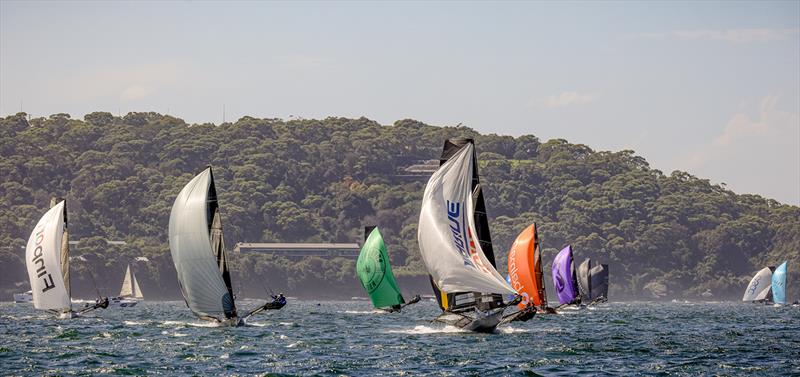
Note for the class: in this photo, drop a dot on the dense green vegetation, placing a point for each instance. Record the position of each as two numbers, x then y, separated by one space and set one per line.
323 180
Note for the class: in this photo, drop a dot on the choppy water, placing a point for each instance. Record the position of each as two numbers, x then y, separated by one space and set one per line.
348 338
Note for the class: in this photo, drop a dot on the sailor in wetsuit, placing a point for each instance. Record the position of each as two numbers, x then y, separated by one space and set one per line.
281 300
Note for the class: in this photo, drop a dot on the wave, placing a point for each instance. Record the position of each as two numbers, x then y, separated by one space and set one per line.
424 329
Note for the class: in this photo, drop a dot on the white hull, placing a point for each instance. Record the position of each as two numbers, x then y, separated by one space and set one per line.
23 298
122 302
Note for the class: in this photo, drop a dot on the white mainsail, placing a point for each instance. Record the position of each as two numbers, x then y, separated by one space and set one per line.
759 286
446 233
198 270
44 262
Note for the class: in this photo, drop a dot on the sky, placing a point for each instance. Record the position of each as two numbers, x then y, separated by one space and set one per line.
712 88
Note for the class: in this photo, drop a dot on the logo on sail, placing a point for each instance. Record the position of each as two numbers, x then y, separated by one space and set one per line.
38 258
459 241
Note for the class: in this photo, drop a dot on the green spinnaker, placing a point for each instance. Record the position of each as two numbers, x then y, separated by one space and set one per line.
375 272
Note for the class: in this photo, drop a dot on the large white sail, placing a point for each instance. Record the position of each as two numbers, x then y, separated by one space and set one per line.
446 233
43 259
127 287
759 286
199 273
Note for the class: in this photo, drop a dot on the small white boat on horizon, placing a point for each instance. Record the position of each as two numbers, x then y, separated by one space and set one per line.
130 294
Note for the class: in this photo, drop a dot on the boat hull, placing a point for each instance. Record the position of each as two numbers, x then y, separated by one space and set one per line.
123 302
23 298
483 323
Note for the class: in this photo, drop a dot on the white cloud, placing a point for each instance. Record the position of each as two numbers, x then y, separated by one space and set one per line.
728 35
128 83
569 98
755 153
135 92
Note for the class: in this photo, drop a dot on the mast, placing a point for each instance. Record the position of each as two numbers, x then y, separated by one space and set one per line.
64 244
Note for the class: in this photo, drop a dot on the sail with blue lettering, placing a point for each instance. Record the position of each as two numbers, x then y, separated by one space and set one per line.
779 284
447 235
760 286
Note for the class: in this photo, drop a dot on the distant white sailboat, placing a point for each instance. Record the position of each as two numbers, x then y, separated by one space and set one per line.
130 294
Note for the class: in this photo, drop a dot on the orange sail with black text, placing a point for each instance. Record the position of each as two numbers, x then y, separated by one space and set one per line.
525 269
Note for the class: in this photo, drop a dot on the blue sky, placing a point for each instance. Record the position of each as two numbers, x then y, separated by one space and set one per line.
712 88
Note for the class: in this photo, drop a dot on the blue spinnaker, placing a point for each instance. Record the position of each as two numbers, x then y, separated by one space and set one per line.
779 284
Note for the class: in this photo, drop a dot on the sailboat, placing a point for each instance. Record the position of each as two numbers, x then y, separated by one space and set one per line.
760 287
47 260
198 252
779 284
525 270
455 244
564 278
130 294
592 282
375 274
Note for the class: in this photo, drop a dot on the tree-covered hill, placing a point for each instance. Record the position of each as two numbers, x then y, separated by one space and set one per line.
674 235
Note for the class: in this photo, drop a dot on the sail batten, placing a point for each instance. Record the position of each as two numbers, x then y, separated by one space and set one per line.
200 260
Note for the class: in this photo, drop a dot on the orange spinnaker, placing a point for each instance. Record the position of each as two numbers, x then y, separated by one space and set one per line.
525 268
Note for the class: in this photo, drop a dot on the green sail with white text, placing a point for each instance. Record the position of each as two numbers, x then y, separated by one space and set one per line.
375 272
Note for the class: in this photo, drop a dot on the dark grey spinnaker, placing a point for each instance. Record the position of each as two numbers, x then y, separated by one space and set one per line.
592 282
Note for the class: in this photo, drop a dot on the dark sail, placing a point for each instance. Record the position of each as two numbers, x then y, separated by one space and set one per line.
598 281
462 301
218 243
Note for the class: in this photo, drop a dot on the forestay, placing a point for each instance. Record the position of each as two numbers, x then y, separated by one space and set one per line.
446 232
43 257
759 286
200 269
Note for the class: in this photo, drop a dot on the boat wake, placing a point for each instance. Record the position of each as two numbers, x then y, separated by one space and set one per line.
192 324
374 311
511 330
424 329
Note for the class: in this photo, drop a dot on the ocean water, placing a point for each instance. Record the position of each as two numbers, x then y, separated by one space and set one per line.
349 338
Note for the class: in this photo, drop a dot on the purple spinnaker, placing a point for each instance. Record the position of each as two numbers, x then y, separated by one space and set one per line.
562 276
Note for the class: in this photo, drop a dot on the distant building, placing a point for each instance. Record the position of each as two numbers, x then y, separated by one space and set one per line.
347 250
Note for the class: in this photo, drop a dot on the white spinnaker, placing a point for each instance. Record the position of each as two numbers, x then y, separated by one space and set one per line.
759 286
137 292
43 259
127 288
190 245
446 226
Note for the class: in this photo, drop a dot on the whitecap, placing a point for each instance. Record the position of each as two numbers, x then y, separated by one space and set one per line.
423 329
